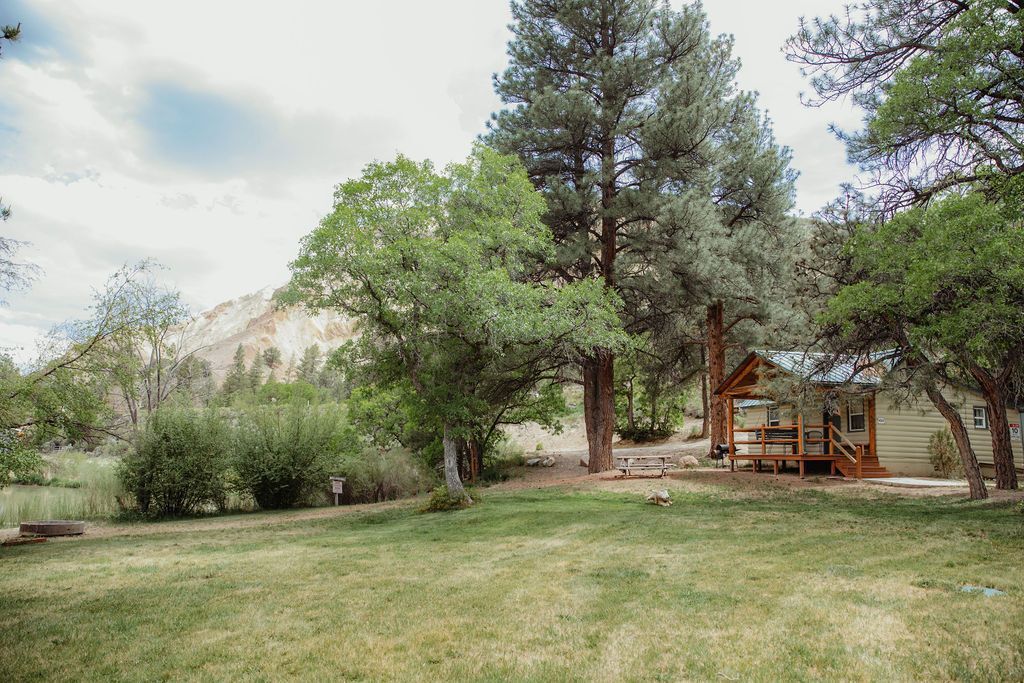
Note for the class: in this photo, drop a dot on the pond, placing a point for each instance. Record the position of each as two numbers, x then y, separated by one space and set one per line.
20 503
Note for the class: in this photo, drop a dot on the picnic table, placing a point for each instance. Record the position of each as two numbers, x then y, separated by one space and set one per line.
628 464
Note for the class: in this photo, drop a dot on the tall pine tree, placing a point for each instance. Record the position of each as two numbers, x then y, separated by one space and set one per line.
613 103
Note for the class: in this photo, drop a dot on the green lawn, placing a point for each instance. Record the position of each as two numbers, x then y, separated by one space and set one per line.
536 585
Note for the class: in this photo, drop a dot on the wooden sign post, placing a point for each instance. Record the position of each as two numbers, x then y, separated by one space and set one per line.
337 488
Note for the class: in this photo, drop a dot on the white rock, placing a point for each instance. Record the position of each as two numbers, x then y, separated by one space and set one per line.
534 462
548 462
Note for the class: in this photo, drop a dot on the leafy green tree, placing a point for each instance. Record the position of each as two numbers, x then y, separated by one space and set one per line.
945 284
624 113
941 83
143 357
438 268
128 348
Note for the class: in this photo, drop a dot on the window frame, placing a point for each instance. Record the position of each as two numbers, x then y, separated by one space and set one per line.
984 417
863 415
768 415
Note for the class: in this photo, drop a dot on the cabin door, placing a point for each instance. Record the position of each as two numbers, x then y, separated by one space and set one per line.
834 419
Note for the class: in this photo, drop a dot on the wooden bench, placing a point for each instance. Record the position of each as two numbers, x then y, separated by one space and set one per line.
630 464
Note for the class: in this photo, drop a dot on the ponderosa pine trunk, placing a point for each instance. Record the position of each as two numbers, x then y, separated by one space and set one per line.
452 479
705 420
599 409
963 443
716 373
998 427
599 370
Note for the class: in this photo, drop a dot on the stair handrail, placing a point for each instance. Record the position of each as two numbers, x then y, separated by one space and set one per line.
840 445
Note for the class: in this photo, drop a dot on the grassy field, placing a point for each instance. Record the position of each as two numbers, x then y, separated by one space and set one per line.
534 585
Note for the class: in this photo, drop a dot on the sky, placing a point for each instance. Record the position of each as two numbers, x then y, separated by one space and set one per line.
209 135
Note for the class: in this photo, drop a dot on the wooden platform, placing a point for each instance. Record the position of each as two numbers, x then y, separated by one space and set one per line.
870 467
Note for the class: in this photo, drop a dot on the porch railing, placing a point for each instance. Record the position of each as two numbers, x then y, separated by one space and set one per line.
796 434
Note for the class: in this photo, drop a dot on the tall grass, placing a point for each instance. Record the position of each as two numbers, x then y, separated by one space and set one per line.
94 497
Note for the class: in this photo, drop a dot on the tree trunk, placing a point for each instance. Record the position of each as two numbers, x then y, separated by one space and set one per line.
476 458
705 419
963 442
451 467
599 409
630 412
998 427
716 372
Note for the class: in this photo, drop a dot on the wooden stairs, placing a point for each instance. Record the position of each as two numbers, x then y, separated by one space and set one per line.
870 467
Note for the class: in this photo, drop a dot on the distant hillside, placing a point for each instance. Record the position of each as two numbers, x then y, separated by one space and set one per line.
254 322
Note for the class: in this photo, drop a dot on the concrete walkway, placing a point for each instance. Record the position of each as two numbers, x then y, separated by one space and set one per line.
920 482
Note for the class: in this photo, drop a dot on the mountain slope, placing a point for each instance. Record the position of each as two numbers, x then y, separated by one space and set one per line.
257 324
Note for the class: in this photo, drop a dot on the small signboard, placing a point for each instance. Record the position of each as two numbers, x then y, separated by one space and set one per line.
1015 430
337 488
881 420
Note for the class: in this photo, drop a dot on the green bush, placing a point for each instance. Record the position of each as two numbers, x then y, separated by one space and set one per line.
501 461
179 464
442 501
284 455
373 476
944 455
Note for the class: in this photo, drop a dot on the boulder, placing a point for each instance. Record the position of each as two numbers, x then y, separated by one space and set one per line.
661 498
584 462
689 462
548 462
534 462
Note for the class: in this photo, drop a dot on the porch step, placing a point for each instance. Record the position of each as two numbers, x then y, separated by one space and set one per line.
870 468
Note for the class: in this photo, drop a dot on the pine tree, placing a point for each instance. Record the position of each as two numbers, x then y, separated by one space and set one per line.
272 357
237 378
255 374
626 115
309 365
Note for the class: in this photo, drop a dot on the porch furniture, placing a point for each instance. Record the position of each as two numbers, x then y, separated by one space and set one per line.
631 464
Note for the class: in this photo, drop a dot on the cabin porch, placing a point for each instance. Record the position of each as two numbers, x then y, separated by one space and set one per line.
772 436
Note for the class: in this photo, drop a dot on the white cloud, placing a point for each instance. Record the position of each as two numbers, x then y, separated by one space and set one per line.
209 135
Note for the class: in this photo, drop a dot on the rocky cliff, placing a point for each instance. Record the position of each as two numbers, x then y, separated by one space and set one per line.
255 322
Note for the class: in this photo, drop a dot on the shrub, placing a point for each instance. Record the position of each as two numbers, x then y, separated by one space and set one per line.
442 501
944 455
373 476
501 460
179 464
283 456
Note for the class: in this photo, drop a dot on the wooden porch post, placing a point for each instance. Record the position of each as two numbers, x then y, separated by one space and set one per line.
732 437
872 421
800 433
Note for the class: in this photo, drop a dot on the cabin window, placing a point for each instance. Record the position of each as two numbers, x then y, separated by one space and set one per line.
773 416
980 417
855 415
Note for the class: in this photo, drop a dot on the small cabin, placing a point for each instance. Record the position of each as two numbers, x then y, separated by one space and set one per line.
852 427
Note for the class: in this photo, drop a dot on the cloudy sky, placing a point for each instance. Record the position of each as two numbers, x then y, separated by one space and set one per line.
209 135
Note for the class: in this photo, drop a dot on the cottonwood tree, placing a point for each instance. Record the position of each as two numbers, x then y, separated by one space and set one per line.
126 348
613 106
941 83
438 269
147 357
